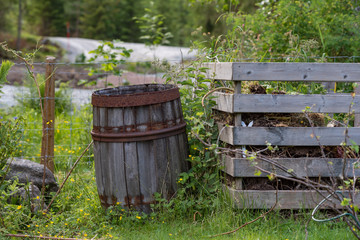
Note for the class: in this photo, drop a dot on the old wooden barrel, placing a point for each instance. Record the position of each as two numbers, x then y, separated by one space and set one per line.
140 143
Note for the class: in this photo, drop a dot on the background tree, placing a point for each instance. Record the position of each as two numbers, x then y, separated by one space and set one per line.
47 16
73 12
5 12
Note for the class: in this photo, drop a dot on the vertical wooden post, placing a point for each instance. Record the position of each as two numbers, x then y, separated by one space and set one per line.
237 123
357 116
47 144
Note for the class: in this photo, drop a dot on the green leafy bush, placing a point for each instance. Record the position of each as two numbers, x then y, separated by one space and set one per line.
290 28
4 70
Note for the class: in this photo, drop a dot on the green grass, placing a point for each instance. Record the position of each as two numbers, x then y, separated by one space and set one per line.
77 213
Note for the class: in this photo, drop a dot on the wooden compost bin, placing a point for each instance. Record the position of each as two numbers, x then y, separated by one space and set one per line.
140 144
240 169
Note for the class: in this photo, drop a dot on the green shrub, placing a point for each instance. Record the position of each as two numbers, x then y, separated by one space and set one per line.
287 28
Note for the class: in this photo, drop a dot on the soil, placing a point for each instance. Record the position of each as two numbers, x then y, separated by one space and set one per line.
272 119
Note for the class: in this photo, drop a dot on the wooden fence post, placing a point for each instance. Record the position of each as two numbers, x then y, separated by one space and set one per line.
47 144
357 116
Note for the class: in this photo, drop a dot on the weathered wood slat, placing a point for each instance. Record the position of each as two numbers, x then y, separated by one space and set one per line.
182 143
307 72
147 174
266 103
117 172
106 178
303 167
287 199
287 136
175 160
162 167
131 162
98 171
224 102
223 71
132 175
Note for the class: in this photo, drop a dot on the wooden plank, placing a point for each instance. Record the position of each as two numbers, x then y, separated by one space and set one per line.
115 117
224 102
222 71
96 120
147 174
237 120
105 174
307 72
162 168
175 161
117 171
287 199
287 136
226 134
146 161
132 175
98 170
182 143
357 116
156 116
129 119
142 118
176 104
266 103
169 114
131 162
303 167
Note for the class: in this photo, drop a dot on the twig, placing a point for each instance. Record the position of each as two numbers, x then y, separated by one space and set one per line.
68 175
210 92
195 215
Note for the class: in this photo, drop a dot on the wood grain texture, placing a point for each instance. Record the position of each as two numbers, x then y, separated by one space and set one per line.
117 172
357 116
47 142
221 71
304 167
224 102
132 174
266 103
175 159
287 136
307 72
287 199
106 179
162 167
147 174
98 171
